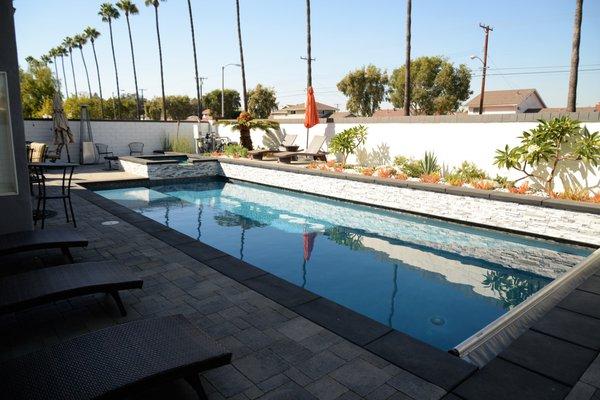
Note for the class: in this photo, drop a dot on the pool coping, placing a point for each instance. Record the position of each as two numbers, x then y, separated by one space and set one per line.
419 358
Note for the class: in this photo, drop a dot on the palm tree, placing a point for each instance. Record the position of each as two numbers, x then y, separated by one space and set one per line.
62 52
92 34
80 41
407 70
155 4
572 96
239 29
69 44
109 13
129 8
245 123
53 53
198 97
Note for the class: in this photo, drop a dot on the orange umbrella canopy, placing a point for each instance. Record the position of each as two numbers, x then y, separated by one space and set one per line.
311 117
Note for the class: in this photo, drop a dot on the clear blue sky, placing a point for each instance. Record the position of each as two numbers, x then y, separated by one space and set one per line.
528 36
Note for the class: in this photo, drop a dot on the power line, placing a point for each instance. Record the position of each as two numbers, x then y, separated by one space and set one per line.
540 72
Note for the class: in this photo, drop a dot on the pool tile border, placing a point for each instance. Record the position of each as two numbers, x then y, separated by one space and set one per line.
427 362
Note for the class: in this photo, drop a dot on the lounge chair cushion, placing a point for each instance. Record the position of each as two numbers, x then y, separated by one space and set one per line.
42 286
17 242
113 362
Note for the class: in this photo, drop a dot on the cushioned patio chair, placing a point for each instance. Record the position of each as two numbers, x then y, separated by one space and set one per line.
288 140
116 362
33 288
37 152
55 154
136 148
313 150
55 238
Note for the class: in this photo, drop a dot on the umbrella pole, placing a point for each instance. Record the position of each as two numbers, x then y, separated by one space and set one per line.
307 130
67 148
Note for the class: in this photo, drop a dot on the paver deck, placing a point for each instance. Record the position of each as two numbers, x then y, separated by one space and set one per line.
279 354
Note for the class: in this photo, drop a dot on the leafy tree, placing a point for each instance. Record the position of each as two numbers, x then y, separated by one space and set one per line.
72 107
261 101
109 13
155 4
245 123
37 89
348 140
179 107
212 101
129 8
437 87
365 89
550 144
153 108
92 34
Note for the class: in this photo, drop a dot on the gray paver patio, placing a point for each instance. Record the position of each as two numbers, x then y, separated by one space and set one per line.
277 354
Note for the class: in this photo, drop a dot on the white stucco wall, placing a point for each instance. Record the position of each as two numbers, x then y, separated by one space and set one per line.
452 142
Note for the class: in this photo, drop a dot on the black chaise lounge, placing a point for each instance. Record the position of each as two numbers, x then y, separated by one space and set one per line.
115 362
33 288
63 239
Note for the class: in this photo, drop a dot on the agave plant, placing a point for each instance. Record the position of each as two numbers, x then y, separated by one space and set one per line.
429 163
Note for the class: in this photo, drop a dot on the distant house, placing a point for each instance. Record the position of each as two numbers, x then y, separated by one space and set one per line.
394 112
342 114
507 102
296 111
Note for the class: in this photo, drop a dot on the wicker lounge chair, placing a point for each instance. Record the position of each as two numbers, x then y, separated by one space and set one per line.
42 286
63 239
313 150
115 362
288 140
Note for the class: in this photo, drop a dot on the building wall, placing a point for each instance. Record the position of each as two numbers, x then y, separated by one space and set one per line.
15 210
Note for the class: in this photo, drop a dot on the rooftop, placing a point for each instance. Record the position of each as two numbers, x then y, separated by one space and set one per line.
511 97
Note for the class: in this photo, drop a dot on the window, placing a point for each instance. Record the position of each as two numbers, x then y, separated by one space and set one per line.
8 171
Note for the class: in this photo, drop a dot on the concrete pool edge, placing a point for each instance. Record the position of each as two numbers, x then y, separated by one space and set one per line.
429 363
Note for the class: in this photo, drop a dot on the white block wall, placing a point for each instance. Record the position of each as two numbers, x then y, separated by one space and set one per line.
452 142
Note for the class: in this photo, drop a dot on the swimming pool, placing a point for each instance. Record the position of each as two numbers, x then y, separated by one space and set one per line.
437 281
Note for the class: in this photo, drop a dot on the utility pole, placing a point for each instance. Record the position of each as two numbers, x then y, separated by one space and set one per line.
487 30
201 80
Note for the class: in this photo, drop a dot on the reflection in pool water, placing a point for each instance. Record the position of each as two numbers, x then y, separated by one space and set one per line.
437 281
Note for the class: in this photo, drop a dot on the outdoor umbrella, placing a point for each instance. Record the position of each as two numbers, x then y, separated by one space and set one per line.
62 132
311 118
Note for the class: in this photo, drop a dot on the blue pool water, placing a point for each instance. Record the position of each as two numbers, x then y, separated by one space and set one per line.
437 281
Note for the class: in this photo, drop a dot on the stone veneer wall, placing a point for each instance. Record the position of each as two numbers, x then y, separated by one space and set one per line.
562 224
167 170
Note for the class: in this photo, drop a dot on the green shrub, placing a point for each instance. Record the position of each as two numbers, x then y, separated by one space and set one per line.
410 167
235 151
469 171
348 140
429 163
182 145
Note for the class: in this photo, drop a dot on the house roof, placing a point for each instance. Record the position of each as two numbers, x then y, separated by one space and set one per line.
388 113
342 114
302 106
505 97
562 109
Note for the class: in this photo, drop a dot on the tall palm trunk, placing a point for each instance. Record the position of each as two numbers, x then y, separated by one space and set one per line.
62 60
239 29
112 46
572 96
99 84
137 92
407 71
87 75
198 97
73 71
162 77
56 73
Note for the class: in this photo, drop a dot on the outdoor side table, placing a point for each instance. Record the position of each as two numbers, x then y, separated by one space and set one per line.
66 170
